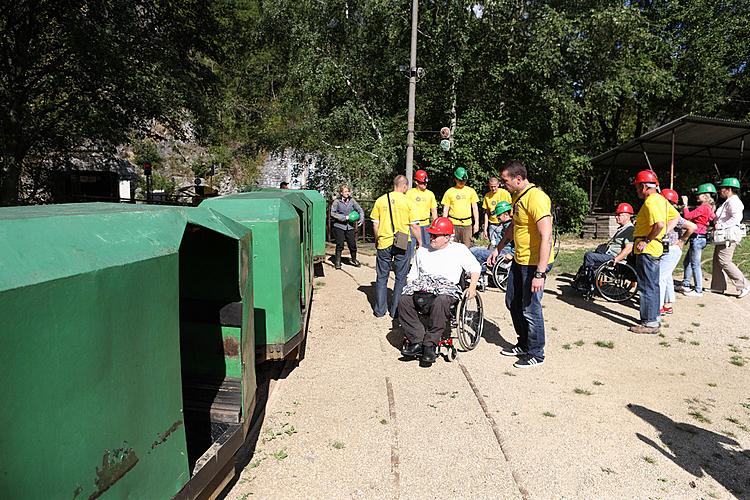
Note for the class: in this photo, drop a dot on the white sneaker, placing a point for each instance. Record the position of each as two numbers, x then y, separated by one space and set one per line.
744 292
692 293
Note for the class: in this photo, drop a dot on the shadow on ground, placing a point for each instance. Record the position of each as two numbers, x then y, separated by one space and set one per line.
571 296
492 335
699 451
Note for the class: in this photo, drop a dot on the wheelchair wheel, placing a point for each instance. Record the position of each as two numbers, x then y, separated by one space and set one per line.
470 322
616 284
500 276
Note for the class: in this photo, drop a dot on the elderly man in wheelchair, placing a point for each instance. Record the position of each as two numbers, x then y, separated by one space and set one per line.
433 291
605 270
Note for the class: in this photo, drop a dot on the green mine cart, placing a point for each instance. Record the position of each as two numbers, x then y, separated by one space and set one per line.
278 277
98 361
318 221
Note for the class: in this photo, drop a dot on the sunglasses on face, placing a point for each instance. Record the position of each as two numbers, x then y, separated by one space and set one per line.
434 236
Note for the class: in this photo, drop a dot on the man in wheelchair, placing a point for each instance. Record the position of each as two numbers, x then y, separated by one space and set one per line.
504 213
617 249
432 288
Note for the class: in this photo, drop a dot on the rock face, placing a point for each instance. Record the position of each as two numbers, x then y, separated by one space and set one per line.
286 167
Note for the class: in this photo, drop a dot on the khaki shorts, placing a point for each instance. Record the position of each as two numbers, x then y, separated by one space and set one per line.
462 234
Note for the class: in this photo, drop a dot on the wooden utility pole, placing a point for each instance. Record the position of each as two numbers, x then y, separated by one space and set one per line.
412 93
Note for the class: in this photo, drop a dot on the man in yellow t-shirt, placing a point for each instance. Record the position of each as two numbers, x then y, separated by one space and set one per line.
532 235
651 224
385 225
460 205
424 203
492 227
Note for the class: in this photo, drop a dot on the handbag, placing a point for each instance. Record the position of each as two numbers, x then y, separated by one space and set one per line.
400 239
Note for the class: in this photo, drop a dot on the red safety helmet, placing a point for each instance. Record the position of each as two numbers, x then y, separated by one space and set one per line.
420 176
441 225
671 195
624 208
646 176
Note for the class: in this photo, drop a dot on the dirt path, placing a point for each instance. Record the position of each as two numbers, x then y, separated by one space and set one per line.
649 417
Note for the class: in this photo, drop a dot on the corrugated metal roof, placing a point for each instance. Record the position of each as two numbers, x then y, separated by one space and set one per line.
699 143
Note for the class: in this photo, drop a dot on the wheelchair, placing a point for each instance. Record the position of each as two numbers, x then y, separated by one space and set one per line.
618 283
498 273
467 321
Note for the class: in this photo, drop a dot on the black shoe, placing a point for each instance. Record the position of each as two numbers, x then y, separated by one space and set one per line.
428 354
354 262
411 350
513 351
337 261
528 362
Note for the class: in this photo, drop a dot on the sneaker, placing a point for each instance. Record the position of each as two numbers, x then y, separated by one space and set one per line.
513 351
528 362
744 292
665 310
645 330
692 293
681 288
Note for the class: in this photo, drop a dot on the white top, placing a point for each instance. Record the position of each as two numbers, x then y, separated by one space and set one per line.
730 212
447 262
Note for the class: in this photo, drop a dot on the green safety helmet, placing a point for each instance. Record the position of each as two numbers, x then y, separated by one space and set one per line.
706 188
502 207
730 182
353 216
461 174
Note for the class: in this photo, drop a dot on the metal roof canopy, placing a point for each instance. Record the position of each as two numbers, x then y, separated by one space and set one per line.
689 142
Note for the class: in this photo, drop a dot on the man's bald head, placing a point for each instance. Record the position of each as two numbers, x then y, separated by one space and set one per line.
400 183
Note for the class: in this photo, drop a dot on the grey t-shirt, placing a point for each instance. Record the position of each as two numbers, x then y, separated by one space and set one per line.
622 237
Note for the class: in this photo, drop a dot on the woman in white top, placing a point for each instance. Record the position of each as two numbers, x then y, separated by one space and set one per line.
728 216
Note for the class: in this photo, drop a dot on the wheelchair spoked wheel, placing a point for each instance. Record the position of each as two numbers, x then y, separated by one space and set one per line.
616 284
470 322
500 276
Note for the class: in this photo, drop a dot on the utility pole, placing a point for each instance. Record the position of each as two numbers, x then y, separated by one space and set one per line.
412 93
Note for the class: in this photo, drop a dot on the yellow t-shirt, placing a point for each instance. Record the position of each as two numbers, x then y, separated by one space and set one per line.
423 202
459 201
491 200
403 216
527 211
655 209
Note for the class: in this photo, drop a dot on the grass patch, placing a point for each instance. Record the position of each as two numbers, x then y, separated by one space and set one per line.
743 337
567 346
281 454
338 445
700 417
701 305
608 344
664 344
596 382
694 342
578 343
383 421
553 328
661 335
737 360
584 392
548 414
695 324
712 384
734 348
318 284
510 374
729 434
681 340
648 460
733 420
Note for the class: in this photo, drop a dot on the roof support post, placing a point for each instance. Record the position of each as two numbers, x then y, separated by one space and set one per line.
606 178
671 168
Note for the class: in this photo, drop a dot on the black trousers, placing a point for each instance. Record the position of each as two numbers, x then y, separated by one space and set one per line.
348 236
415 331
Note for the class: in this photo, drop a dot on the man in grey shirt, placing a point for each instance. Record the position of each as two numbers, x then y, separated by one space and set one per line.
619 246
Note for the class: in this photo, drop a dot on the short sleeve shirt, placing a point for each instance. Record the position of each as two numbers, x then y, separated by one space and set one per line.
459 201
622 237
424 202
404 215
655 209
528 209
490 201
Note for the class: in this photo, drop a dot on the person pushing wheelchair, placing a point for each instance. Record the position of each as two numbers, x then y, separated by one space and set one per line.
432 289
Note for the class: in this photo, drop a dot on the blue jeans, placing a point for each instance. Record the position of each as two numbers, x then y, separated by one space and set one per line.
692 263
384 259
425 240
495 233
481 254
525 309
595 259
667 265
647 268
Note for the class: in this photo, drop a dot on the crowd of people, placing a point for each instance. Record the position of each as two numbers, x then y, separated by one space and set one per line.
430 255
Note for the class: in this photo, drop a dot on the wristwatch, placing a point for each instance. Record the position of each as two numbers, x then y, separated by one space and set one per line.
537 274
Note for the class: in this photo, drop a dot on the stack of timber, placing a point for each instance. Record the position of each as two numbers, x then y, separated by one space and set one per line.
599 226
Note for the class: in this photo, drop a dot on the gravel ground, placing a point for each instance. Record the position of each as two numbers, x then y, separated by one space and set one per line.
649 417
